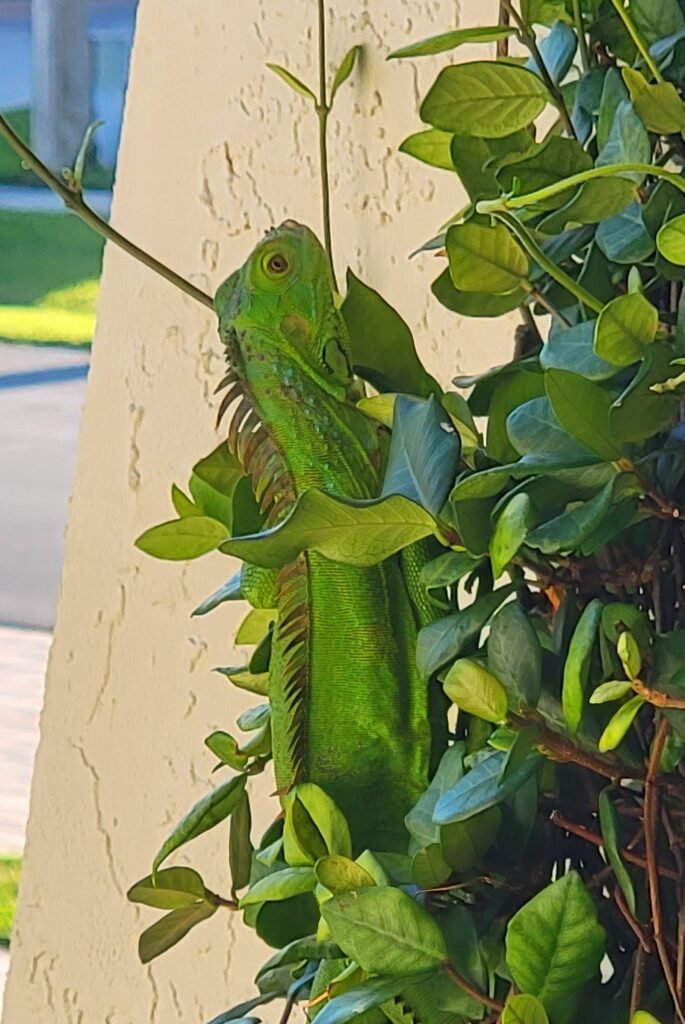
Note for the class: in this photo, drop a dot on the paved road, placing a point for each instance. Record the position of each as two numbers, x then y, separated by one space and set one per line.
39 423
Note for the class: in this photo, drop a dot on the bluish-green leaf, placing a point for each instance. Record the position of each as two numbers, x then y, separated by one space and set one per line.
582 409
419 820
624 237
356 1001
230 591
567 531
482 787
443 640
535 430
515 655
424 453
557 51
572 348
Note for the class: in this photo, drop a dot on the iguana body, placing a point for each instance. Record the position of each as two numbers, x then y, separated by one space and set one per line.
349 711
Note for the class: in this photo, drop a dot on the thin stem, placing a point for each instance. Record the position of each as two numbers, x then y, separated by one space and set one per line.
561 748
657 697
503 44
73 200
322 111
466 986
529 41
640 44
582 38
606 171
535 252
287 1010
638 981
591 837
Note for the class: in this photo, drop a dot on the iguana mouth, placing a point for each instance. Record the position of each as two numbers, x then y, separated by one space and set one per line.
249 440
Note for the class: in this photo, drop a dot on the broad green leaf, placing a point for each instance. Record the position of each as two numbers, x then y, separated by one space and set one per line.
572 348
340 874
614 93
183 506
354 532
451 40
424 453
213 808
464 843
385 931
567 531
640 411
484 99
609 826
510 393
477 160
594 201
554 943
657 21
577 665
239 844
220 469
253 627
552 160
319 814
476 304
431 147
379 407
230 591
227 749
443 640
165 933
619 724
629 654
524 1009
624 238
484 258
183 539
613 689
542 12
173 888
280 885
345 70
642 1017
582 409
245 680
535 430
670 240
429 869
476 691
627 142
290 79
515 655
345 1008
419 821
659 105
383 350
447 569
254 718
510 532
482 788
624 329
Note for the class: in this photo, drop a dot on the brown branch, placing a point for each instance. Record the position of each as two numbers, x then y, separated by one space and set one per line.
561 748
591 837
634 925
638 981
657 697
503 44
466 986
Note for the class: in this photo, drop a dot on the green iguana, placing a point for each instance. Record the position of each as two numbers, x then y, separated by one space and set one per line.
349 710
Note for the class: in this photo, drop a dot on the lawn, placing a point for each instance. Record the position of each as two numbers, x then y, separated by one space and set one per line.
48 284
12 172
9 883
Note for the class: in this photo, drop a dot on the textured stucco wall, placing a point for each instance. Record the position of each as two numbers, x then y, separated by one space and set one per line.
215 150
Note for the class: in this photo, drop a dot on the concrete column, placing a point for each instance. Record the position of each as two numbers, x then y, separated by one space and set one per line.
215 150
61 79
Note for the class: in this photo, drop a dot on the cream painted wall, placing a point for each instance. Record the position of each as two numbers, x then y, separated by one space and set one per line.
215 151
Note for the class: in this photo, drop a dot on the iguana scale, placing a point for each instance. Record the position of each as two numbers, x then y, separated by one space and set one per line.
349 711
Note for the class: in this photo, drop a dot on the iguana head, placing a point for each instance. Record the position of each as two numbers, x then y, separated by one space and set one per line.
289 366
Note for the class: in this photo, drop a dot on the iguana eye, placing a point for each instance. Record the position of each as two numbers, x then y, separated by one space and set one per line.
277 264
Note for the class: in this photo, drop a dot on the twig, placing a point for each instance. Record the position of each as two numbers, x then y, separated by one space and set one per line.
563 749
640 45
466 986
591 837
630 918
651 841
503 44
582 38
322 111
287 1010
74 201
221 901
657 697
638 981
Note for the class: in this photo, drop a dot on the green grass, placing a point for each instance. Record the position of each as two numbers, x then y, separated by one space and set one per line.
13 173
9 883
51 265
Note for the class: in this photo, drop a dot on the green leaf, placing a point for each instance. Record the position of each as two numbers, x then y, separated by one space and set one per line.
213 808
447 569
535 430
608 822
614 93
515 655
627 142
451 40
624 238
354 532
619 724
552 160
385 931
476 691
484 99
253 682
429 869
567 531
629 654
524 1009
340 874
582 409
510 532
280 885
476 304
577 664
345 70
594 201
658 105
483 787
443 640
639 411
254 626
383 350
227 749
613 689
554 944
642 1017
183 506
254 718
464 843
419 820
357 1001
173 888
424 453
670 240
295 84
624 329
431 147
542 12
485 259
477 160
572 349
183 539
165 933
314 826
239 844
657 21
